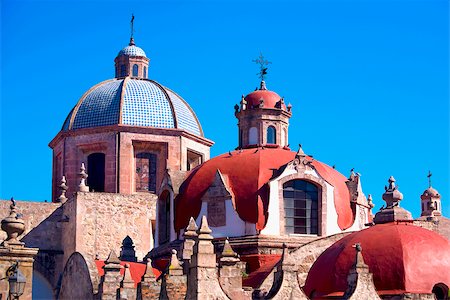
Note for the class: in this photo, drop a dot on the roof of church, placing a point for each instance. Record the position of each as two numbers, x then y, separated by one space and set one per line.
133 102
269 98
401 256
247 172
132 50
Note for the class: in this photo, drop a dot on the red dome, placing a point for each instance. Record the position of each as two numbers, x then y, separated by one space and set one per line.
402 257
270 99
248 171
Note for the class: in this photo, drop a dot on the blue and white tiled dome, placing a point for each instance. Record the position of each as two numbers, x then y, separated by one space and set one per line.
132 50
133 102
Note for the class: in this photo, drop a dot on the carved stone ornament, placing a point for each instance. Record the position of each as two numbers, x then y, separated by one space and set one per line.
13 225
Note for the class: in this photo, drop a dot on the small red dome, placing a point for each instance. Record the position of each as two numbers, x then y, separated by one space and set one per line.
402 257
270 99
247 172
430 192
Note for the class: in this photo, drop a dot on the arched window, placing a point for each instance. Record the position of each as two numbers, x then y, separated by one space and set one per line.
253 136
164 218
96 172
145 72
123 71
145 172
300 207
271 135
135 70
440 291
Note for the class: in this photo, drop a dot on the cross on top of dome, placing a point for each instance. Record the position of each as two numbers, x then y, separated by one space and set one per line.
262 68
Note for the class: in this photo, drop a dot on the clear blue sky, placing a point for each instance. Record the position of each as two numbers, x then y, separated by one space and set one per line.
368 80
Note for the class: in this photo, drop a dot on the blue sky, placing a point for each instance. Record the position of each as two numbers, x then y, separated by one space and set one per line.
368 80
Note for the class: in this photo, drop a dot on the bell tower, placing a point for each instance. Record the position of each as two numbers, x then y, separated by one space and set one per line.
430 201
263 117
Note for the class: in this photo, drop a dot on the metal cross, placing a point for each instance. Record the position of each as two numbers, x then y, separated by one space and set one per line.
132 25
429 178
262 65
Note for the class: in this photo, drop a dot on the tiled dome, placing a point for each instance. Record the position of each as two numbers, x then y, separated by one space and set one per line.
133 102
132 50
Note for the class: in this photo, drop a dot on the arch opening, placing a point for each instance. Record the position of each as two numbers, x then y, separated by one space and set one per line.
271 135
135 70
96 172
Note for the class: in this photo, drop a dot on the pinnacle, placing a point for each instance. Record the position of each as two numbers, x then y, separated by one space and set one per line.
227 250
112 258
192 225
204 228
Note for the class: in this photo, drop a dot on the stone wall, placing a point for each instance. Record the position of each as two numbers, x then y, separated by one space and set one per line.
103 221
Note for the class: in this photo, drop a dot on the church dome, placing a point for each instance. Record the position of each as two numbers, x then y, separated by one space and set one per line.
132 102
132 50
402 257
268 98
430 192
248 171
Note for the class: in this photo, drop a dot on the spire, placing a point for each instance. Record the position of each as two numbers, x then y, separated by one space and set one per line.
132 31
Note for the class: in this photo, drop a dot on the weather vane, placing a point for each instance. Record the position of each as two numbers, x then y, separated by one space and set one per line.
429 178
262 65
132 25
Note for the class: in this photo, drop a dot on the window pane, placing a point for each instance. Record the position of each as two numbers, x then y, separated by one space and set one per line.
301 207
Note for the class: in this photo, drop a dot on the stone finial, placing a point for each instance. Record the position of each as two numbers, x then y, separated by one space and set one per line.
191 229
127 252
359 260
370 201
227 250
112 259
392 212
63 187
236 108
83 176
287 260
300 152
392 195
352 174
262 85
175 267
13 225
243 103
149 275
359 280
204 230
289 107
127 281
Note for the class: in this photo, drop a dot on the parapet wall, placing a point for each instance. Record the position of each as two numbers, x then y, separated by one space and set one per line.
103 220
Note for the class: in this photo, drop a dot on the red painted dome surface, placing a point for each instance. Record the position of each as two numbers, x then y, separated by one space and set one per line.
401 256
270 98
247 173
